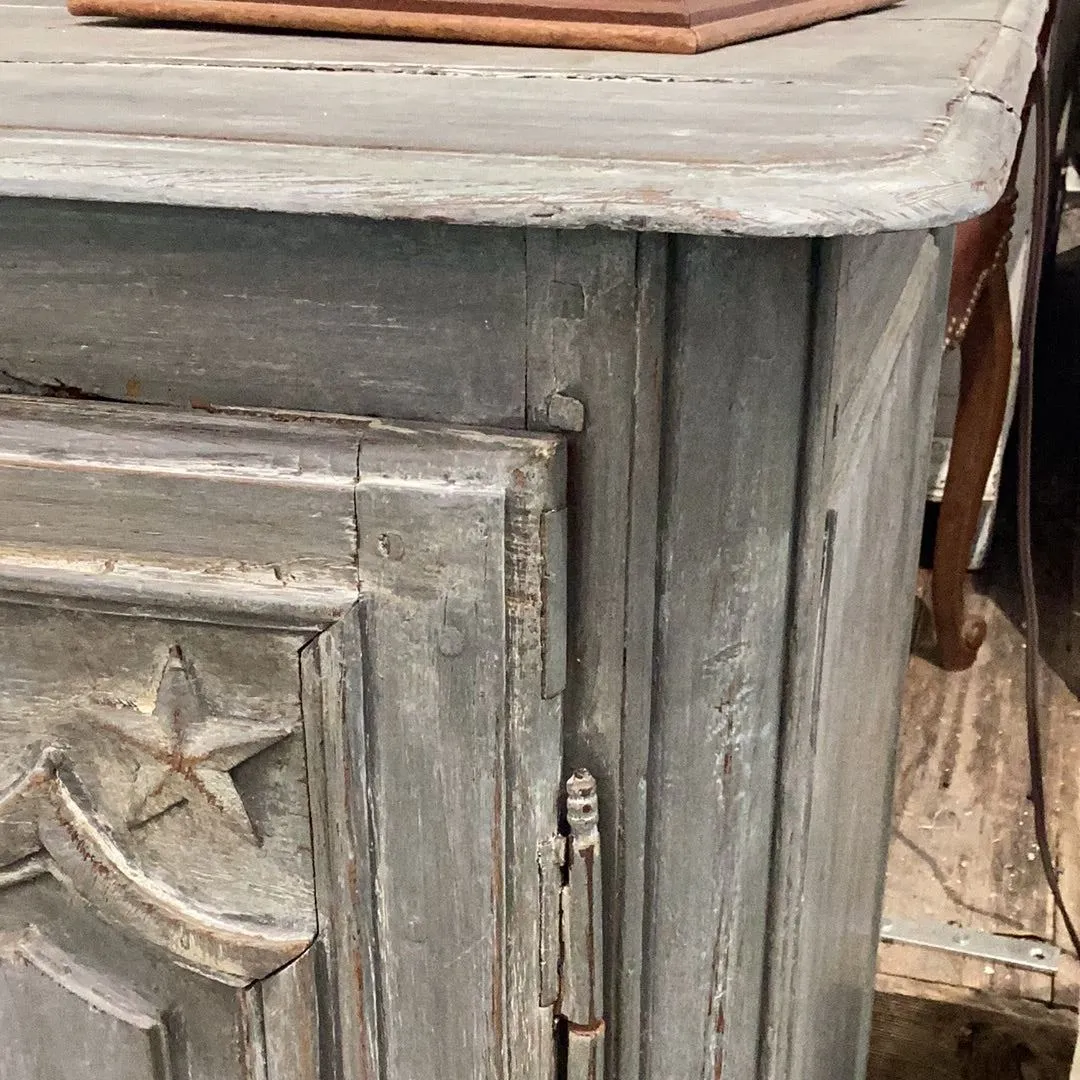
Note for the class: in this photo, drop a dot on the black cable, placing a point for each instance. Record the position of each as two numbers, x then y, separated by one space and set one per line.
1033 281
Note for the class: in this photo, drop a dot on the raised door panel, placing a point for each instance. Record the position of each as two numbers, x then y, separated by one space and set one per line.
155 853
157 769
79 999
59 1017
280 739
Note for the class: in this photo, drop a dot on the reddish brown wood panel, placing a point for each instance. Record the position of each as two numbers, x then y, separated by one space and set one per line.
675 26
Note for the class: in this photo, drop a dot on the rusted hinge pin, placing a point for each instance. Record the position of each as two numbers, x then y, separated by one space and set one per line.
582 998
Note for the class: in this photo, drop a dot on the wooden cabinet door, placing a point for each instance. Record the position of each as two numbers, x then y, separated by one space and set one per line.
280 739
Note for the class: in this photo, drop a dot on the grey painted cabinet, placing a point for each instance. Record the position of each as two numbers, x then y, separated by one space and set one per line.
458 517
289 699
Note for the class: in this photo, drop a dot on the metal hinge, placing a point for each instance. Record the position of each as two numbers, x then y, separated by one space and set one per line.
571 933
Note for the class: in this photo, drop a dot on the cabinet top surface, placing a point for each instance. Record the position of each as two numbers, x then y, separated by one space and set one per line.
905 118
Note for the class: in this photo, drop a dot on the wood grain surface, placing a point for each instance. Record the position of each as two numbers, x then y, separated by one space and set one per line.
896 120
682 26
192 771
948 1033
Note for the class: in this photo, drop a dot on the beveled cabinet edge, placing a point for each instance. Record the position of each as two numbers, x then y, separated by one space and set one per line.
272 539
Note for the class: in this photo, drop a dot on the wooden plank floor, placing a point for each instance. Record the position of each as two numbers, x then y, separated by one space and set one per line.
928 1031
963 847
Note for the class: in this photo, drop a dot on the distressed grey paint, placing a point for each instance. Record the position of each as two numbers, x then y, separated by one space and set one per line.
716 403
897 120
865 456
421 806
166 304
710 375
729 471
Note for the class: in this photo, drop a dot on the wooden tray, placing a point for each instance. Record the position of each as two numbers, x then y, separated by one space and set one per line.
673 26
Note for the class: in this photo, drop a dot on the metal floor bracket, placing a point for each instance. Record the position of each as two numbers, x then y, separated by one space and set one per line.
1021 952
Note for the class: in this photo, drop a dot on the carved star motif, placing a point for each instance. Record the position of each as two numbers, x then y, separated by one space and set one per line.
185 753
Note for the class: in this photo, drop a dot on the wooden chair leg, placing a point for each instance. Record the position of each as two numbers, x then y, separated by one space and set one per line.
986 354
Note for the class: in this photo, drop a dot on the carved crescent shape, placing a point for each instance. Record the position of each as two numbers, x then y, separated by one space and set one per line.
89 858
